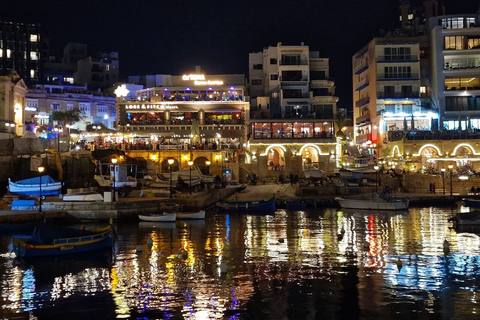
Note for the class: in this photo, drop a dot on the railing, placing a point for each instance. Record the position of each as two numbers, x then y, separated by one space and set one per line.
398 76
383 95
362 102
363 118
300 62
361 84
404 57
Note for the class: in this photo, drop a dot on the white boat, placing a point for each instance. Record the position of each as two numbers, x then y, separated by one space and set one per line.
158 217
119 175
379 202
313 173
83 196
31 187
186 173
191 215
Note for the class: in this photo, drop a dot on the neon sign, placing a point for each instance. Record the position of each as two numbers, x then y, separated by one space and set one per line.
150 106
200 80
192 77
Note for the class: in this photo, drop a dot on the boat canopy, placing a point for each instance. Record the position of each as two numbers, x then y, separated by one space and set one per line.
46 179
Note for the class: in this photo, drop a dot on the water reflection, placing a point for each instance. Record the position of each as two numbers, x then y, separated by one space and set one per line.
291 265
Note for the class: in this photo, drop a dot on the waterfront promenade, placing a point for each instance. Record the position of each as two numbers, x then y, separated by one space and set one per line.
125 208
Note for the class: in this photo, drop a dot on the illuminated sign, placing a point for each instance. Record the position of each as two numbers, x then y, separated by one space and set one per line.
200 80
150 107
121 91
30 109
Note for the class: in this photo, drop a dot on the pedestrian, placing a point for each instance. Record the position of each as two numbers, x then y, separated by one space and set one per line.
433 188
472 190
280 178
295 179
291 178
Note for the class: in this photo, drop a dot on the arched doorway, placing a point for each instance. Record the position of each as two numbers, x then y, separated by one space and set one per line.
275 159
310 158
201 163
166 167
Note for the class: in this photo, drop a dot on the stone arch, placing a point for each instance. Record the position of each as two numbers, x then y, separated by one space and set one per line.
165 165
431 148
276 158
200 162
310 157
463 149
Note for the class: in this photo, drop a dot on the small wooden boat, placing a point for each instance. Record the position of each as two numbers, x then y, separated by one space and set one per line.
191 215
158 217
471 218
247 206
31 187
83 196
378 202
295 205
48 240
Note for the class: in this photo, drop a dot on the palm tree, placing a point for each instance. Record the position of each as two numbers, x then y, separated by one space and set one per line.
341 120
66 117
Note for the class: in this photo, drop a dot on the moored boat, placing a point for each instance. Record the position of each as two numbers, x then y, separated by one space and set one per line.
471 218
291 205
48 240
158 217
378 202
83 196
471 203
191 215
31 186
247 206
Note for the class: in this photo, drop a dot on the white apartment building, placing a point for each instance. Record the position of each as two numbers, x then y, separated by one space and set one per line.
455 48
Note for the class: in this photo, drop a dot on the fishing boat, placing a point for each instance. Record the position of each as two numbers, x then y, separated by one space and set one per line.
291 205
471 218
191 215
471 203
377 202
48 240
31 186
247 206
158 217
86 196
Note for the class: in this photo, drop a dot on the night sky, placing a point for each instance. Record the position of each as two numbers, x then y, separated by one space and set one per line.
172 37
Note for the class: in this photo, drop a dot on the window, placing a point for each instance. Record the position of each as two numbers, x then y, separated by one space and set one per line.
102 109
398 72
256 82
33 38
84 108
401 53
273 61
257 67
454 43
33 55
423 89
291 60
55 107
70 106
274 76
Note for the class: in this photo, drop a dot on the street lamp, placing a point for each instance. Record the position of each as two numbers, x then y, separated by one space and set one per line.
190 164
443 179
40 171
114 162
450 167
376 177
207 163
170 163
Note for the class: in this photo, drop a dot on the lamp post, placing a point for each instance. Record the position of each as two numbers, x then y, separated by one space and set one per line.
190 164
443 179
207 163
170 163
114 162
376 177
40 171
450 167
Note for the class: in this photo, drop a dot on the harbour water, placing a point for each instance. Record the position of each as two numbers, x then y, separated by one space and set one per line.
314 264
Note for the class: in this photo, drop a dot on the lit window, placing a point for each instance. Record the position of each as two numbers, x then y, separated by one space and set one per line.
9 53
68 79
33 55
33 74
423 89
33 38
107 67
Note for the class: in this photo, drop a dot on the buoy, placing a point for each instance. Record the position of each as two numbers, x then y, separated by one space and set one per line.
446 247
399 264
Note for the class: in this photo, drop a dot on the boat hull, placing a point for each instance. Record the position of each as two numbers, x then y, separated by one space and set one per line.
400 204
24 247
191 215
83 197
247 206
31 187
467 218
295 205
170 217
471 203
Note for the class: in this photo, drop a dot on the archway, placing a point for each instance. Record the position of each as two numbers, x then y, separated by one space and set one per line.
165 166
275 159
428 155
310 158
201 163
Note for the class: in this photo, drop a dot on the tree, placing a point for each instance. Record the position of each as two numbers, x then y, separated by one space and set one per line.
66 117
341 120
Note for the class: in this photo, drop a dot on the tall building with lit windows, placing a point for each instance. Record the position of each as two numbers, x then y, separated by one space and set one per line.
20 50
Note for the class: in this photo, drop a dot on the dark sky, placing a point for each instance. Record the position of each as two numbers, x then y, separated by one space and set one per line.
172 37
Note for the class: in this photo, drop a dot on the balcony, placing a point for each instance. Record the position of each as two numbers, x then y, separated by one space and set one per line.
398 95
362 119
362 138
399 58
294 62
360 68
362 84
403 76
322 83
362 102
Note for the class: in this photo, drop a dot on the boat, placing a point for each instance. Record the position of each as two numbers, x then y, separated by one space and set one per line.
314 174
83 196
291 205
248 206
191 215
119 176
471 218
379 202
49 240
31 186
471 203
158 217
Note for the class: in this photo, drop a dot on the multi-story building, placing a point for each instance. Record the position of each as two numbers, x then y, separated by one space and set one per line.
191 117
20 50
99 74
95 108
293 106
12 104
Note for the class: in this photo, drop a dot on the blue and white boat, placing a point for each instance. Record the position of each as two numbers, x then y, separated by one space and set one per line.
31 186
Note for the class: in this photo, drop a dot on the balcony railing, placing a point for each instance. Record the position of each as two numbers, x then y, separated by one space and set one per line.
397 95
432 135
301 62
363 119
398 76
406 57
361 84
361 102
